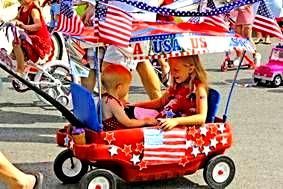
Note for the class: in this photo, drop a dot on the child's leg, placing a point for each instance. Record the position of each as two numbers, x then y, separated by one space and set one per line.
19 54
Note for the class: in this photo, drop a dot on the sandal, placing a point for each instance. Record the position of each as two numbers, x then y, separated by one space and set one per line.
38 180
267 43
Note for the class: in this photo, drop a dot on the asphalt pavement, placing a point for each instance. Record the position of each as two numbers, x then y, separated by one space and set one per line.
27 130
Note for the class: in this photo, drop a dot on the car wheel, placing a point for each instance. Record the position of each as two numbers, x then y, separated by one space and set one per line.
219 172
99 178
277 81
257 81
68 168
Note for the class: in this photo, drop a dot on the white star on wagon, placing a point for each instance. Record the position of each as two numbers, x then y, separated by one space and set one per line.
113 150
206 150
195 151
221 127
135 159
213 142
203 130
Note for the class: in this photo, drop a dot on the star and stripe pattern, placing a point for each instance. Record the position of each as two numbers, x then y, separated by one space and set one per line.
179 145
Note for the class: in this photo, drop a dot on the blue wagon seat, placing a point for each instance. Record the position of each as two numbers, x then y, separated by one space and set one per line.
213 101
84 107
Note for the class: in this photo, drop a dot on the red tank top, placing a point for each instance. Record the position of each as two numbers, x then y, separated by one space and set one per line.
26 18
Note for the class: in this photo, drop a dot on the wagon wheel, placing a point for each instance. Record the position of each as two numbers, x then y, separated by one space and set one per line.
68 168
99 178
219 172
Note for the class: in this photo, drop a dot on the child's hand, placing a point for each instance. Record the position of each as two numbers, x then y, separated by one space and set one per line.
150 121
167 124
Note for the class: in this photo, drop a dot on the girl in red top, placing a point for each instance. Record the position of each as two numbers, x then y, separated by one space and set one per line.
30 19
185 102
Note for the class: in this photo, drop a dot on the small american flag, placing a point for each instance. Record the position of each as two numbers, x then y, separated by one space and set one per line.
69 22
264 21
217 20
113 25
163 147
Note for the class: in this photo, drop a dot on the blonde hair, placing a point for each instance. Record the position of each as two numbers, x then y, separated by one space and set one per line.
201 74
115 74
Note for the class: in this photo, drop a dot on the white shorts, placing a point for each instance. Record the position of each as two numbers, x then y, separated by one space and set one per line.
122 56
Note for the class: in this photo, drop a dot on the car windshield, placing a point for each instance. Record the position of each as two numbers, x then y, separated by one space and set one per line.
277 55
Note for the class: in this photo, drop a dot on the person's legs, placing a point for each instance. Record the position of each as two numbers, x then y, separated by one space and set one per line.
89 82
13 177
258 38
19 57
149 79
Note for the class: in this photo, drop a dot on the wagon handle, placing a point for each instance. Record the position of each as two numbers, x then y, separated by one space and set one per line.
232 87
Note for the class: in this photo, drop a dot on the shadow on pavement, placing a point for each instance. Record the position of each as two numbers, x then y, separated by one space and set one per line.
51 182
275 91
33 135
13 117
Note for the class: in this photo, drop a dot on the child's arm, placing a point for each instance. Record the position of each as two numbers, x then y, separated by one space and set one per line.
154 104
121 116
197 119
36 20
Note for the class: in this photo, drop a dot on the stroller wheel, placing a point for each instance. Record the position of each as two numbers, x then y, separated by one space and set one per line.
99 178
68 168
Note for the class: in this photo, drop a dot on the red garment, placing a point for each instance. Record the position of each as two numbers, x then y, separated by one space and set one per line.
160 17
182 101
41 40
112 123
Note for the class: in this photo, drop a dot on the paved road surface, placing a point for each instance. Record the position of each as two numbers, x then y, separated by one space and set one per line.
27 131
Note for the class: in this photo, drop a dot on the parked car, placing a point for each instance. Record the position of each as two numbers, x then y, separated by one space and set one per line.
272 72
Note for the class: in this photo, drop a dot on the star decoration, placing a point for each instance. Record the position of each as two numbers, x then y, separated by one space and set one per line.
224 141
199 142
109 137
135 159
113 150
189 143
71 144
195 151
142 165
192 131
214 129
203 130
184 161
206 150
66 140
213 142
139 147
127 149
221 127
169 114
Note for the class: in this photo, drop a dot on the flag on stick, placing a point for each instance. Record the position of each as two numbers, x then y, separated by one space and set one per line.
69 22
113 25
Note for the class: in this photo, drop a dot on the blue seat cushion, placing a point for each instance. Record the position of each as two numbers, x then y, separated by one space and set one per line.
213 101
84 107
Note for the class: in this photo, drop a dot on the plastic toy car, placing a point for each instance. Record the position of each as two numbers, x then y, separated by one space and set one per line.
143 154
272 72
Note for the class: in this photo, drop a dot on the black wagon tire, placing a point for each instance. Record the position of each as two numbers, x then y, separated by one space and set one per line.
68 168
277 81
99 178
219 172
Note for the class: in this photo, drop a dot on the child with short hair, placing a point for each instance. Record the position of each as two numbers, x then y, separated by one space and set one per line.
185 101
116 80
